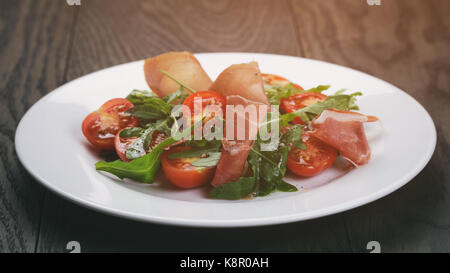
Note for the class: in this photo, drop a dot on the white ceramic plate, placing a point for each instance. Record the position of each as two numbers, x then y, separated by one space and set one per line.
52 148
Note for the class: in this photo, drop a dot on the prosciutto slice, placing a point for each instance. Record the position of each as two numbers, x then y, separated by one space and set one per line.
244 80
183 66
243 86
344 130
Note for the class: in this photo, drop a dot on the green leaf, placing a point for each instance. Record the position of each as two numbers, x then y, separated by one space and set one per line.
243 187
318 89
142 169
139 147
147 112
210 161
149 107
338 102
138 96
276 92
177 95
131 132
286 187
271 174
294 137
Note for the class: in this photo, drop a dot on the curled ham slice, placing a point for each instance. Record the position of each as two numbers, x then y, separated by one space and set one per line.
235 148
242 85
344 130
183 66
244 80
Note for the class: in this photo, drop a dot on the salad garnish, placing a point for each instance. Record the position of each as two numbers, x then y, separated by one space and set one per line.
182 127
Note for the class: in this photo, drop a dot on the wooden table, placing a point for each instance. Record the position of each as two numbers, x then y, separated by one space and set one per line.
44 44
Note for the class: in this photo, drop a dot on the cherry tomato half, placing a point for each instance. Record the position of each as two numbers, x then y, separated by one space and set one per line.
317 157
121 144
100 127
272 79
298 101
207 98
181 173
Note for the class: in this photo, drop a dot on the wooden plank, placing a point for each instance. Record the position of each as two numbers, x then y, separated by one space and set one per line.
113 32
407 43
109 33
34 42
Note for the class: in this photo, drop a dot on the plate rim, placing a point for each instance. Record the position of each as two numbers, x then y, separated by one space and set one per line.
261 221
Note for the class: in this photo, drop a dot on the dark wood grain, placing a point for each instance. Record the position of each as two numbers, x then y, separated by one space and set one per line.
34 42
407 43
112 32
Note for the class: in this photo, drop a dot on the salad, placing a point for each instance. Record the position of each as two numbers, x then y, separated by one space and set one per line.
238 135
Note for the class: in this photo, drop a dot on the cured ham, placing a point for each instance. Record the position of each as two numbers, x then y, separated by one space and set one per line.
243 80
344 130
183 66
238 142
243 86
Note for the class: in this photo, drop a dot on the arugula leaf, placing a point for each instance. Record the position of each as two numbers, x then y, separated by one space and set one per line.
294 136
211 151
142 169
318 89
139 147
286 187
210 161
276 92
273 171
137 97
243 187
131 132
338 102
143 112
149 107
179 94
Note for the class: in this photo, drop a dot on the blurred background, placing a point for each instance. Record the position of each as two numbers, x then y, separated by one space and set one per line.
46 43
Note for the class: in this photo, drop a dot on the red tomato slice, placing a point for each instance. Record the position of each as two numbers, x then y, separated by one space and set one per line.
100 127
121 144
317 157
272 79
298 101
208 98
181 173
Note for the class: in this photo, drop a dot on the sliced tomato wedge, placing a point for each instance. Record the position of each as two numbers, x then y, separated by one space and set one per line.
317 157
299 101
100 127
272 79
180 171
207 98
121 144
